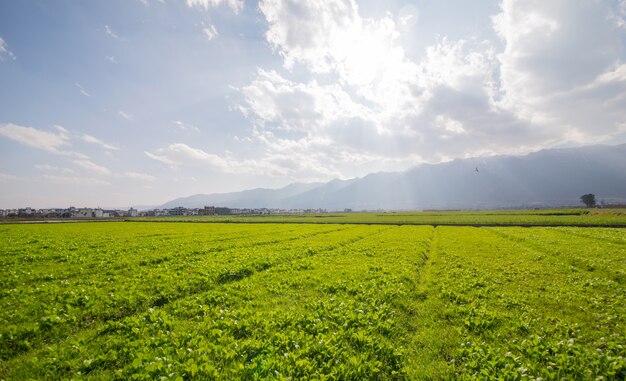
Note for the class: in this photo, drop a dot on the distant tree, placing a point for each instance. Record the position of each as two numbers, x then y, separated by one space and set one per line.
589 200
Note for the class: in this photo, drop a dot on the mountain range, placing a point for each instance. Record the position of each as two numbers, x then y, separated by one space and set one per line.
551 177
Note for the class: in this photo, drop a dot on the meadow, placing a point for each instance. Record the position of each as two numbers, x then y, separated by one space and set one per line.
178 301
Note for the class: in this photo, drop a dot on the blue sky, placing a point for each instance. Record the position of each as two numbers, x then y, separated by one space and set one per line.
136 102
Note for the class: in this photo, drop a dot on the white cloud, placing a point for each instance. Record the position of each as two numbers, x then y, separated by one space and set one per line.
5 52
6 178
82 90
139 176
111 59
125 115
272 99
91 139
92 167
181 126
47 141
109 31
235 5
321 121
384 111
161 158
76 180
52 168
407 17
562 66
183 151
210 32
178 154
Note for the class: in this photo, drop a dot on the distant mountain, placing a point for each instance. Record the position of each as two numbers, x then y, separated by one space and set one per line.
257 198
553 177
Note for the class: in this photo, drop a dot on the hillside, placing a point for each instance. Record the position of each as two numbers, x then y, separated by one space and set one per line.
551 177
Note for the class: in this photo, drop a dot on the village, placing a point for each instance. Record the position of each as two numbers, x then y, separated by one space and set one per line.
100 213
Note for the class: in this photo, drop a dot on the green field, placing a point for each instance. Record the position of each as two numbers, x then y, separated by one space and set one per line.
146 301
549 217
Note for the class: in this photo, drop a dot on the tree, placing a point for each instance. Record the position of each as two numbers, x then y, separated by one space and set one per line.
588 199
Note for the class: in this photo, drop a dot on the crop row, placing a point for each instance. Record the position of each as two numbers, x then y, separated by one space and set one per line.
122 283
535 305
336 302
294 318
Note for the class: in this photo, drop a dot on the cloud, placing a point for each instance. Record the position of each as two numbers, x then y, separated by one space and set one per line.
76 180
91 139
181 126
562 66
43 140
48 167
161 158
109 31
273 99
139 176
425 122
185 152
6 178
363 105
92 167
178 154
235 5
82 90
111 59
125 115
210 32
5 52
331 37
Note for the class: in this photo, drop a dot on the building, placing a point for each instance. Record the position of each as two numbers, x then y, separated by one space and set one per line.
207 211
83 213
132 212
221 211
178 211
25 212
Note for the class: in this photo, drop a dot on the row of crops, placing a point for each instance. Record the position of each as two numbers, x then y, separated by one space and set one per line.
544 217
338 302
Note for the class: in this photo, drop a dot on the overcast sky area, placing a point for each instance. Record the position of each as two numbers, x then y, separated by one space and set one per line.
135 102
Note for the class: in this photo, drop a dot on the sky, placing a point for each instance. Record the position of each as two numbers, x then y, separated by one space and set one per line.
114 103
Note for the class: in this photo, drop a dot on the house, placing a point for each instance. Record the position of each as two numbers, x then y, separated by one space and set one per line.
132 212
178 211
207 211
83 213
25 212
222 211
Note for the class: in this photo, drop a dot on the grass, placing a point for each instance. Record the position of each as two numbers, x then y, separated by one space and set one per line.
128 300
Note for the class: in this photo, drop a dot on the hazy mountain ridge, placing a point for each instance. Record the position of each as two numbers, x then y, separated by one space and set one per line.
552 177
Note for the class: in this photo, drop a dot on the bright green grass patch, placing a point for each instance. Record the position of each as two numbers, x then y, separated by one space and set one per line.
337 302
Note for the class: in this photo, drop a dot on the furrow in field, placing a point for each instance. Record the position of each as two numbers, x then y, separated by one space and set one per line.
522 312
614 236
153 286
587 256
138 254
262 317
192 301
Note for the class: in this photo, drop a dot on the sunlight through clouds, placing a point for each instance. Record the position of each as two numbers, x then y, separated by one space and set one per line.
463 98
238 95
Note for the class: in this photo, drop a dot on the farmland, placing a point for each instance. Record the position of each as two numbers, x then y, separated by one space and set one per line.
167 300
546 217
